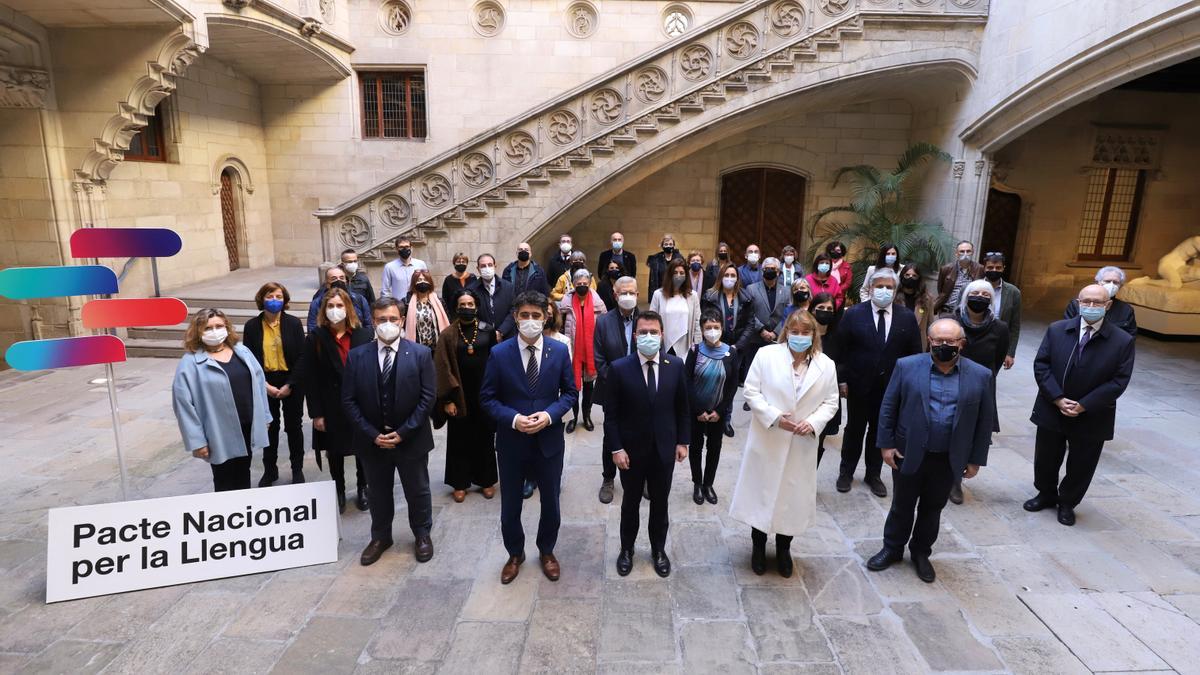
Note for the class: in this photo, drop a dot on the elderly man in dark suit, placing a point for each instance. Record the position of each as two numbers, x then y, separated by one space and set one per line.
493 297
954 277
935 424
1120 313
768 298
387 391
1082 367
613 339
618 253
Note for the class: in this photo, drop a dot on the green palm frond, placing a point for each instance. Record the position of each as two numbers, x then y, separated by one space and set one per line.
920 153
864 173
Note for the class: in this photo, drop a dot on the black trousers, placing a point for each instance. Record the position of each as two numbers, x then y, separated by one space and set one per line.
645 468
470 453
606 460
1050 447
382 466
586 391
293 411
337 470
232 474
547 472
925 492
714 433
862 419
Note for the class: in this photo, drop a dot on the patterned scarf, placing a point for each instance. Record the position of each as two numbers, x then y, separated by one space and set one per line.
585 323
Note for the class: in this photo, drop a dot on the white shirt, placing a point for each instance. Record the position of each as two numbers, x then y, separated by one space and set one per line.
887 319
397 275
1083 326
381 352
537 354
643 360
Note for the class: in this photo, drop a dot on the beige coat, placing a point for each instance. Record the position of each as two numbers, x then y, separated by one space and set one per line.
777 485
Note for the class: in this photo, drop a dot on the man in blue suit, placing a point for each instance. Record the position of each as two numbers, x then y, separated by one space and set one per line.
528 386
387 390
1082 367
646 425
935 423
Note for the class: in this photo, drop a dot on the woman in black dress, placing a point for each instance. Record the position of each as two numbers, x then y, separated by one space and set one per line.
824 310
457 281
460 358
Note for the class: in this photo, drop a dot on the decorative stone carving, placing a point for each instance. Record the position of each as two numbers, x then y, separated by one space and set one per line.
921 3
676 20
563 127
310 28
979 164
23 87
395 16
1127 148
695 61
741 40
650 84
959 168
606 106
328 9
965 4
582 19
394 211
354 231
435 190
519 148
476 169
834 7
487 18
236 5
787 18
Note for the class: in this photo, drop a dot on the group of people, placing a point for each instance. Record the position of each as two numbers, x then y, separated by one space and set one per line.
500 359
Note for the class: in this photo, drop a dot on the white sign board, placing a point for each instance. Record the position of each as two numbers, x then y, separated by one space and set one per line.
126 546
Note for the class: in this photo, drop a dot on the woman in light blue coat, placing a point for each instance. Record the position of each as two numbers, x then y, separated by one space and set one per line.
220 400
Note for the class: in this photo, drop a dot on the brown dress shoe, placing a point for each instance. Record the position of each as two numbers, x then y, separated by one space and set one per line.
459 496
423 548
488 492
373 550
511 568
550 566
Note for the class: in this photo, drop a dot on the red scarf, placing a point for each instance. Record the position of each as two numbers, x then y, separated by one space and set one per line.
585 323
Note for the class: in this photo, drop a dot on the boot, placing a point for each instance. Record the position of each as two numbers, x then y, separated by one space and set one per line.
758 554
270 475
361 501
783 555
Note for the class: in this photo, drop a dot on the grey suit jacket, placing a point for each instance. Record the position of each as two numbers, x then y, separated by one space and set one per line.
1010 313
764 317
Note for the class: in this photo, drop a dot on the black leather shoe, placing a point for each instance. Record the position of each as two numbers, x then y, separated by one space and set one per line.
625 563
662 564
924 568
710 495
297 476
758 558
527 490
423 548
843 482
728 430
783 560
883 560
1039 502
341 501
373 550
697 493
571 427
956 495
587 423
877 487
270 475
361 502
746 406
1066 515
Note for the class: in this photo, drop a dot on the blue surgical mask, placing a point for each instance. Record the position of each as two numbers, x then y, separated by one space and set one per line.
799 343
1092 314
618 245
889 259
273 306
648 345
823 268
882 297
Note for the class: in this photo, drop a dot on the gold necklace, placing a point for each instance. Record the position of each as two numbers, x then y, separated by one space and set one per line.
474 335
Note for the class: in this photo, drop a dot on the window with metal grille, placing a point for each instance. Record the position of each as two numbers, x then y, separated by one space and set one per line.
1110 213
393 104
147 145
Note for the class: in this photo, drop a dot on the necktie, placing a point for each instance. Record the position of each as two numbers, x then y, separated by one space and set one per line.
625 336
881 327
387 362
651 384
1087 336
531 369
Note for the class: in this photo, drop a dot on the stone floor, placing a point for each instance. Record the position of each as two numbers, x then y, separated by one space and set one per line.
1015 592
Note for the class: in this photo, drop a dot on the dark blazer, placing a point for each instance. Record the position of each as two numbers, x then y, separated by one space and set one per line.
987 345
863 364
945 283
291 333
608 345
1010 314
1120 315
361 308
764 317
1096 378
497 312
904 414
322 371
556 266
450 288
628 261
657 264
415 387
535 281
361 283
743 320
731 382
638 425
505 394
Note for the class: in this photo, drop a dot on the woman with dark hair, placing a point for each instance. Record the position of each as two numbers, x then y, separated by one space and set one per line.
460 358
841 271
736 309
821 280
889 256
679 307
426 317
276 339
913 295
325 350
613 272
822 309
712 271
712 377
456 281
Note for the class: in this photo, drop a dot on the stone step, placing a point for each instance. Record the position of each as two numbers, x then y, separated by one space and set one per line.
163 349
226 304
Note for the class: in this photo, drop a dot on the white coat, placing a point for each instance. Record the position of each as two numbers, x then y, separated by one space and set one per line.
777 486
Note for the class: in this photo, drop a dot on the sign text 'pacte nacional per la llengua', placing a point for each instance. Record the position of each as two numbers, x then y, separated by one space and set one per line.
125 546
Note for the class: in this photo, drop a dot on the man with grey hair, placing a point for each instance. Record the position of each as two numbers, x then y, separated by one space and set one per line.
954 276
769 298
613 339
872 336
1120 313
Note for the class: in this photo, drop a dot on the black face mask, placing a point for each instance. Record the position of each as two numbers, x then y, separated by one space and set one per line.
944 353
338 284
724 255
770 275
836 255
575 267
460 268
910 282
614 274
799 299
668 249
978 303
523 256
405 253
993 275
423 287
823 316
466 315
581 291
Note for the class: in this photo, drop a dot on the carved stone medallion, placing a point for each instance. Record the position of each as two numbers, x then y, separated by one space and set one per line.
353 231
787 18
487 18
606 106
394 211
476 169
582 19
834 7
563 127
741 40
695 61
395 16
650 84
435 190
519 148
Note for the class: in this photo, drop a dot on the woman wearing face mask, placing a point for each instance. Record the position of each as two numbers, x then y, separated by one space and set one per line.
914 296
821 280
426 318
460 358
695 271
564 286
712 377
456 281
216 377
735 306
841 271
679 306
801 296
821 308
889 256
276 339
605 287
657 263
712 271
325 350
791 270
792 390
580 311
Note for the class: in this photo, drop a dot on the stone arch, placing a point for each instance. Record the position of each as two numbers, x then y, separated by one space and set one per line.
238 166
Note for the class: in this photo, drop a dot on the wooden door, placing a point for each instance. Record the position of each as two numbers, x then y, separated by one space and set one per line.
1001 220
761 206
229 219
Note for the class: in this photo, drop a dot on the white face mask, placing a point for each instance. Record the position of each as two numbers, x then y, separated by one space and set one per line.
789 259
565 247
335 314
752 258
728 283
712 335
351 268
487 273
530 328
627 301
214 336
1112 288
387 332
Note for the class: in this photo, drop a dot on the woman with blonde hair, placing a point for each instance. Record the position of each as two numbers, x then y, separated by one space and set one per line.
220 400
426 318
792 392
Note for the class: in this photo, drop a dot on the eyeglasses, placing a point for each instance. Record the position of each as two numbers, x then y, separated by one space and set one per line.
939 343
994 253
1092 303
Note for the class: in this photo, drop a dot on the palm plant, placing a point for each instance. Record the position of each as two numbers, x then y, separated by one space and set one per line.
881 211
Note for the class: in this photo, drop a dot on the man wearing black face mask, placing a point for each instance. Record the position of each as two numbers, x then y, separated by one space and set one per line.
524 274
935 423
769 299
1006 302
397 274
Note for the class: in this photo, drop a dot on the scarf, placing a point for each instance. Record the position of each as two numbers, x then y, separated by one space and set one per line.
709 381
716 353
410 317
965 317
585 323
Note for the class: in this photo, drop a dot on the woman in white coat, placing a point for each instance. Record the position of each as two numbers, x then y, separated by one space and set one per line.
679 305
792 392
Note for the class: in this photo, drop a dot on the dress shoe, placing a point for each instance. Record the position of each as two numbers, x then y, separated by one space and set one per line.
924 568
728 430
746 406
458 496
697 493
710 495
662 564
625 562
511 568
341 501
843 482
361 501
783 559
550 566
527 490
606 492
1066 515
488 492
423 548
758 558
297 476
587 423
373 550
877 487
270 475
883 560
571 427
956 496
1039 502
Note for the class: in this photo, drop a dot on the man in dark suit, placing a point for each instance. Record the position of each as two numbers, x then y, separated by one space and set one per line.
871 337
613 339
1082 367
359 281
493 297
647 426
935 424
560 260
524 274
387 391
1120 313
626 259
768 298
528 386
954 277
1006 302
